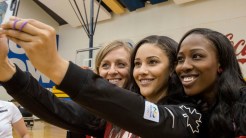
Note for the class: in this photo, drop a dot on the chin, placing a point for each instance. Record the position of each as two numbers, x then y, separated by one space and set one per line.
145 93
189 92
120 84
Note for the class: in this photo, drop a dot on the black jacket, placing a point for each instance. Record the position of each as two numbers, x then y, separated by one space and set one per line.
124 108
44 104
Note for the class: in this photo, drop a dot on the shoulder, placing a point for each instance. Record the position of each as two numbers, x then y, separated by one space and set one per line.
5 104
11 107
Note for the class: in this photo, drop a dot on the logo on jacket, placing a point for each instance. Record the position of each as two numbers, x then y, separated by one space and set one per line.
193 122
151 112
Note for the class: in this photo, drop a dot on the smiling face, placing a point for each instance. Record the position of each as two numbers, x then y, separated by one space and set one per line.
197 65
151 71
115 66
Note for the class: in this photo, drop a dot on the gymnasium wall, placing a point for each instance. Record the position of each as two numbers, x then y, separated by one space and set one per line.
168 18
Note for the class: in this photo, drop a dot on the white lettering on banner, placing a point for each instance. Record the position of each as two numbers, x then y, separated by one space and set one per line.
17 55
35 73
15 49
19 63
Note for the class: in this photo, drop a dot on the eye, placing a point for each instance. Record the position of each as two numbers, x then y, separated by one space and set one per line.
180 59
197 56
121 65
105 66
137 64
153 62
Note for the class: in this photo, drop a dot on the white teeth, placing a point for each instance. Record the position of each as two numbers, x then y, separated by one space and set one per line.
145 81
114 81
186 79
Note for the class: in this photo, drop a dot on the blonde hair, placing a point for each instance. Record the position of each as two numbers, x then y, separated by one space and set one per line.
108 47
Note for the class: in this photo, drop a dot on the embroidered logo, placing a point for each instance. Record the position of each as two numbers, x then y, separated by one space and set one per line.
3 110
193 122
151 112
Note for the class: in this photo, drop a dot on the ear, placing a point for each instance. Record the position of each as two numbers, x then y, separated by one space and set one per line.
220 70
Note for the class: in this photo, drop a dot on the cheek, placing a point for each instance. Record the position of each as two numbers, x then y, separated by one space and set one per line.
210 75
164 78
210 70
102 73
177 69
135 73
162 70
163 75
124 72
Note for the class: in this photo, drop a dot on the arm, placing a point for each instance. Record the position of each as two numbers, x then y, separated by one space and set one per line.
21 129
41 102
39 42
123 108
45 105
127 109
17 121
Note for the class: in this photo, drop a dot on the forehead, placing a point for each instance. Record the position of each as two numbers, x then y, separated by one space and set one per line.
148 49
197 42
117 53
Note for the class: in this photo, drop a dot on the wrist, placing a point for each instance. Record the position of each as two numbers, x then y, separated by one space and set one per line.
58 70
7 70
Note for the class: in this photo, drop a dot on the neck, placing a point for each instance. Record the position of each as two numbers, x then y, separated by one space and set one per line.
155 98
210 96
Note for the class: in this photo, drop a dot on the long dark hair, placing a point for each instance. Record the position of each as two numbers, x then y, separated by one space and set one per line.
228 116
169 46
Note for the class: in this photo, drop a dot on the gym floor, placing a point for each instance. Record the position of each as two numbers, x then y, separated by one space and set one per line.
42 129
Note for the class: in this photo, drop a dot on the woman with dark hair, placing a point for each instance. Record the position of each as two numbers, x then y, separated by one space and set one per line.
208 69
170 84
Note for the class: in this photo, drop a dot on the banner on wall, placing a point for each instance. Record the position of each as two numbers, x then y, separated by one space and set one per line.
239 45
17 55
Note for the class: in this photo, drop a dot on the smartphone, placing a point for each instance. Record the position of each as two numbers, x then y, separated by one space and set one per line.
8 8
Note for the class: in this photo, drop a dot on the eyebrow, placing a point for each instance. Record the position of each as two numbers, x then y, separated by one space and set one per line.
117 60
151 57
193 50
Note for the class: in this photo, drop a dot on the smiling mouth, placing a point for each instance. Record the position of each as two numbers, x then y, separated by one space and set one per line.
188 80
114 81
145 82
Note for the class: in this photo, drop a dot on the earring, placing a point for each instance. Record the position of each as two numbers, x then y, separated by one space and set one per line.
220 70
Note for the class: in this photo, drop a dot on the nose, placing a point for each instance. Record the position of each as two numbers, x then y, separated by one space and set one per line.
112 70
186 66
143 69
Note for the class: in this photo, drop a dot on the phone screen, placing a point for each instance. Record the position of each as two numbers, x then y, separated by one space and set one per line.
8 8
